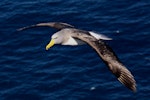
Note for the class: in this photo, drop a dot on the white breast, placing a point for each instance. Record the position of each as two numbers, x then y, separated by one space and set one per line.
72 41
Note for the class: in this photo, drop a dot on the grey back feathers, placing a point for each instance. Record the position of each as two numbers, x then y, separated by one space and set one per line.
93 39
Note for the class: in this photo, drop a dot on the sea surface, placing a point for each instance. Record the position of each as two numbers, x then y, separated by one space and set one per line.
29 72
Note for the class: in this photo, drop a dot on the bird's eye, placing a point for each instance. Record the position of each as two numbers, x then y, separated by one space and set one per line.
55 38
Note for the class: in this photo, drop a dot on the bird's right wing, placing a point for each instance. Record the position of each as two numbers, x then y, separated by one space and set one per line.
57 25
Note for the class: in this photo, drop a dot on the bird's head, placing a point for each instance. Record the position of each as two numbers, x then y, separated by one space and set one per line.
55 39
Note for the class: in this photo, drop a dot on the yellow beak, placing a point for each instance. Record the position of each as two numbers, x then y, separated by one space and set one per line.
51 43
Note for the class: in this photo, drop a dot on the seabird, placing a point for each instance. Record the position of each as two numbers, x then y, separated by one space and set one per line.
69 35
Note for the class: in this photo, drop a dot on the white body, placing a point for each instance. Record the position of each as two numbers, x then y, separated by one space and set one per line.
73 41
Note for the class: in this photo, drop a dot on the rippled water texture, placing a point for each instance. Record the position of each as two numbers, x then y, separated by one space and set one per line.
29 72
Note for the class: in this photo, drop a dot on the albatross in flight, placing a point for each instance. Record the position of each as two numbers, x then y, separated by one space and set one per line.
69 35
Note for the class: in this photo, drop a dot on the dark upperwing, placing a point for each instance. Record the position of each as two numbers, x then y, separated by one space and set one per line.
57 25
110 59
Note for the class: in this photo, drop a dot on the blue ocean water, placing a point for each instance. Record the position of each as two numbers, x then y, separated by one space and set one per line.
29 72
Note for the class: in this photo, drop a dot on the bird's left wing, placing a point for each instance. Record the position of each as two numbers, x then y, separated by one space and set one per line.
109 57
57 25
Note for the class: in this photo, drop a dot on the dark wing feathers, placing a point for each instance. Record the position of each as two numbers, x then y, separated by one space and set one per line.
127 79
57 25
123 75
110 59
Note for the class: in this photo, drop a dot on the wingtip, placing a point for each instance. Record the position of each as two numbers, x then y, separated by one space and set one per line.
27 27
134 89
128 80
20 29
